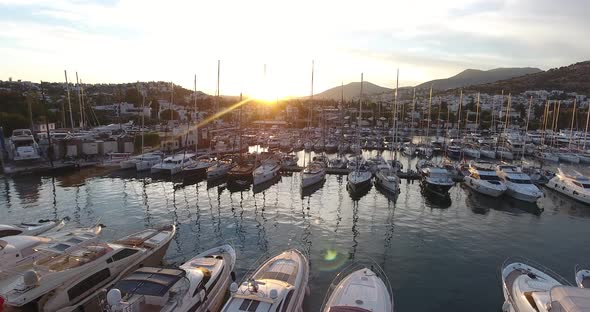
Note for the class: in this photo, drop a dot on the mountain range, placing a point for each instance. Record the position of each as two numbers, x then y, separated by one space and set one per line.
574 77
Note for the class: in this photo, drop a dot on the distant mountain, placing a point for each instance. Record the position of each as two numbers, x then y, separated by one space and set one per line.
470 77
352 91
572 78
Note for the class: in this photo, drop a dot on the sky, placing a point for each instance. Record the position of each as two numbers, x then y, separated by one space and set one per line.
126 41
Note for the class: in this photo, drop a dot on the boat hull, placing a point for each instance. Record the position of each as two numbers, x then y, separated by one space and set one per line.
482 188
265 176
308 180
561 188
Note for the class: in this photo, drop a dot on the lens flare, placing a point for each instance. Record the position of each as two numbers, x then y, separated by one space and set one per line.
332 260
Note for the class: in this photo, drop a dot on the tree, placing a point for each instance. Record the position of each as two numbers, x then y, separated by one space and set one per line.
169 114
155 106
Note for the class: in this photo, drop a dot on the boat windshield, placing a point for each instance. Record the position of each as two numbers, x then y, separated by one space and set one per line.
490 177
582 185
519 181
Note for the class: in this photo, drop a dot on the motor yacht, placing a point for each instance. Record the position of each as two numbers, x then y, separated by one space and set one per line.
22 146
454 151
174 164
487 152
386 178
198 285
220 169
63 279
32 228
518 184
545 155
268 170
575 186
364 289
437 180
424 151
531 288
18 253
471 151
483 179
279 284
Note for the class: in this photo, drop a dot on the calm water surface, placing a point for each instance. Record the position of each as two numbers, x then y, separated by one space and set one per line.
439 255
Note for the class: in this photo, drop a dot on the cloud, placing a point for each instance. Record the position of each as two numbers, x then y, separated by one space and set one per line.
140 40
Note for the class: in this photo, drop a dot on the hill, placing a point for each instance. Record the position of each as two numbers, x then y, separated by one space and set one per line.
572 78
470 77
352 91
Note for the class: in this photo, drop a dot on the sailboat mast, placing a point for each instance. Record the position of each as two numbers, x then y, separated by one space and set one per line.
69 101
142 115
196 117
79 99
572 126
526 130
394 112
429 108
477 113
459 113
586 131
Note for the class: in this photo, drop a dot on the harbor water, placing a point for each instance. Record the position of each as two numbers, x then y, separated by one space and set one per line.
439 255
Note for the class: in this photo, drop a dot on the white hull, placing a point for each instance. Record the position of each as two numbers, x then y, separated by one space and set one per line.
484 188
530 198
488 154
381 179
261 177
557 185
144 165
363 290
570 158
308 180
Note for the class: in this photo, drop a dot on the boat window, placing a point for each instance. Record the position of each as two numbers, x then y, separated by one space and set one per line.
122 255
5 233
287 299
93 281
518 181
60 247
577 184
249 305
490 178
586 185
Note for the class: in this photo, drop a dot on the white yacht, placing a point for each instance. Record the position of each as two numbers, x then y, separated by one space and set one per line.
32 228
483 179
198 285
198 167
267 171
18 253
174 164
22 145
220 169
487 152
437 180
519 184
148 160
142 162
279 284
575 186
313 173
582 277
568 156
529 288
63 279
386 178
363 290
472 151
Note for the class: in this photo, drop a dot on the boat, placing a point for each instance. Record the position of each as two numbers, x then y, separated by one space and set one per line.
471 151
547 156
569 157
365 289
313 173
114 160
487 152
386 178
483 179
22 146
197 168
198 285
454 151
575 186
331 147
518 184
267 171
241 172
436 179
582 277
504 153
147 161
409 149
339 162
32 228
279 284
63 279
359 179
174 164
289 160
220 169
18 253
529 287
424 151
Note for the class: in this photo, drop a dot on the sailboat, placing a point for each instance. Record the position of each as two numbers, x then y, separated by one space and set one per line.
360 177
386 176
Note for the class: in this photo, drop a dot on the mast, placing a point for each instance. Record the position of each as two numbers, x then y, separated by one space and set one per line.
394 155
556 126
142 116
526 130
69 101
413 108
545 119
477 113
79 100
586 131
572 126
358 129
49 147
438 118
196 116
310 109
84 117
459 113
429 107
